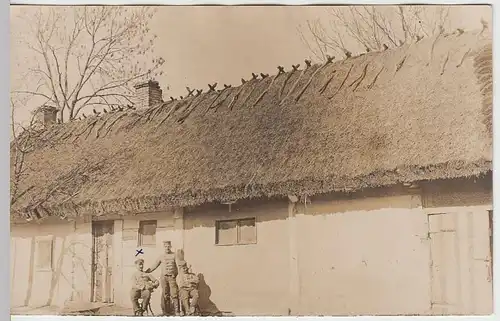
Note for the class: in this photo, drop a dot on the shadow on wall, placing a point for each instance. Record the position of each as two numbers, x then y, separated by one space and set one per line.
78 263
56 275
207 307
276 208
206 214
54 278
30 275
66 252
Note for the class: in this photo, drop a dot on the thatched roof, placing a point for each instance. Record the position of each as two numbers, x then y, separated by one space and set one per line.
418 112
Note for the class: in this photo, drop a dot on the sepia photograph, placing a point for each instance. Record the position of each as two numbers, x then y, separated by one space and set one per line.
331 160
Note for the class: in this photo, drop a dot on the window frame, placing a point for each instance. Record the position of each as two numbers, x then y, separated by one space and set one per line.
140 232
50 267
238 231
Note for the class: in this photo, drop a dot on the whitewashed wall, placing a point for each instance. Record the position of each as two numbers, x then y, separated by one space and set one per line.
169 227
460 248
250 279
34 287
420 253
364 256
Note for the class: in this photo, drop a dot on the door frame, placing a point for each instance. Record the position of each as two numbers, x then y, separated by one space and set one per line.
457 210
95 225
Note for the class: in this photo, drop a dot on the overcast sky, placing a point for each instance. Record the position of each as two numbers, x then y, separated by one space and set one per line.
222 44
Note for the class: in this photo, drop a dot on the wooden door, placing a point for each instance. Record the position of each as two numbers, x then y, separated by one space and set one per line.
102 261
445 258
460 263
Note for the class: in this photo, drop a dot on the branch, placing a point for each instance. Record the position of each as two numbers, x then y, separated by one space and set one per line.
304 40
34 94
98 43
102 96
20 151
60 81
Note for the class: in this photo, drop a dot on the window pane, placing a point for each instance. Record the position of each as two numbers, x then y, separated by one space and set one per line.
44 257
147 230
248 232
226 232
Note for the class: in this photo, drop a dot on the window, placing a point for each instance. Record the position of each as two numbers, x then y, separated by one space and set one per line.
147 233
231 232
44 255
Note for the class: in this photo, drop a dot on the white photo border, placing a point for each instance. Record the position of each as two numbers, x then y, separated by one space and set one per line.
5 139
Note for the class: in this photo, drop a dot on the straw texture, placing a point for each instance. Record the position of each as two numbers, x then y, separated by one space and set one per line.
418 112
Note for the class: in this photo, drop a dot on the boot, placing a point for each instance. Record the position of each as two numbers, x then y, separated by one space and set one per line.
192 310
168 308
176 307
163 302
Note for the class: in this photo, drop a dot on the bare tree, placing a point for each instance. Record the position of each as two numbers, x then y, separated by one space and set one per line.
87 56
371 28
25 138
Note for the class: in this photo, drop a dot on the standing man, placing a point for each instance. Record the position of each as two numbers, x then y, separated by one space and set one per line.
167 279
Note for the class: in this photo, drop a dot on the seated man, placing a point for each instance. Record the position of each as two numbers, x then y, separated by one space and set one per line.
188 288
142 286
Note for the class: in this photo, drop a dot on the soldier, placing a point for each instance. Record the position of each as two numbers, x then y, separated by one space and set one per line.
142 286
188 288
167 279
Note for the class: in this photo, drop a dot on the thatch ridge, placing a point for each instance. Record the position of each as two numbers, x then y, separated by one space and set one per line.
484 72
372 120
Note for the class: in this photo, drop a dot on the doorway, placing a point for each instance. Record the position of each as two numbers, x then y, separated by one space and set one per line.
102 261
460 246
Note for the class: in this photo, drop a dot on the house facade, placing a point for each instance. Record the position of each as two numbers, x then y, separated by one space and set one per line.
297 194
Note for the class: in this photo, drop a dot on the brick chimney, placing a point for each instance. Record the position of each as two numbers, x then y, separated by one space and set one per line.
47 115
148 94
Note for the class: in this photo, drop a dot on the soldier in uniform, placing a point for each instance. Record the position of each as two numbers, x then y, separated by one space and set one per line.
142 286
188 288
167 279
